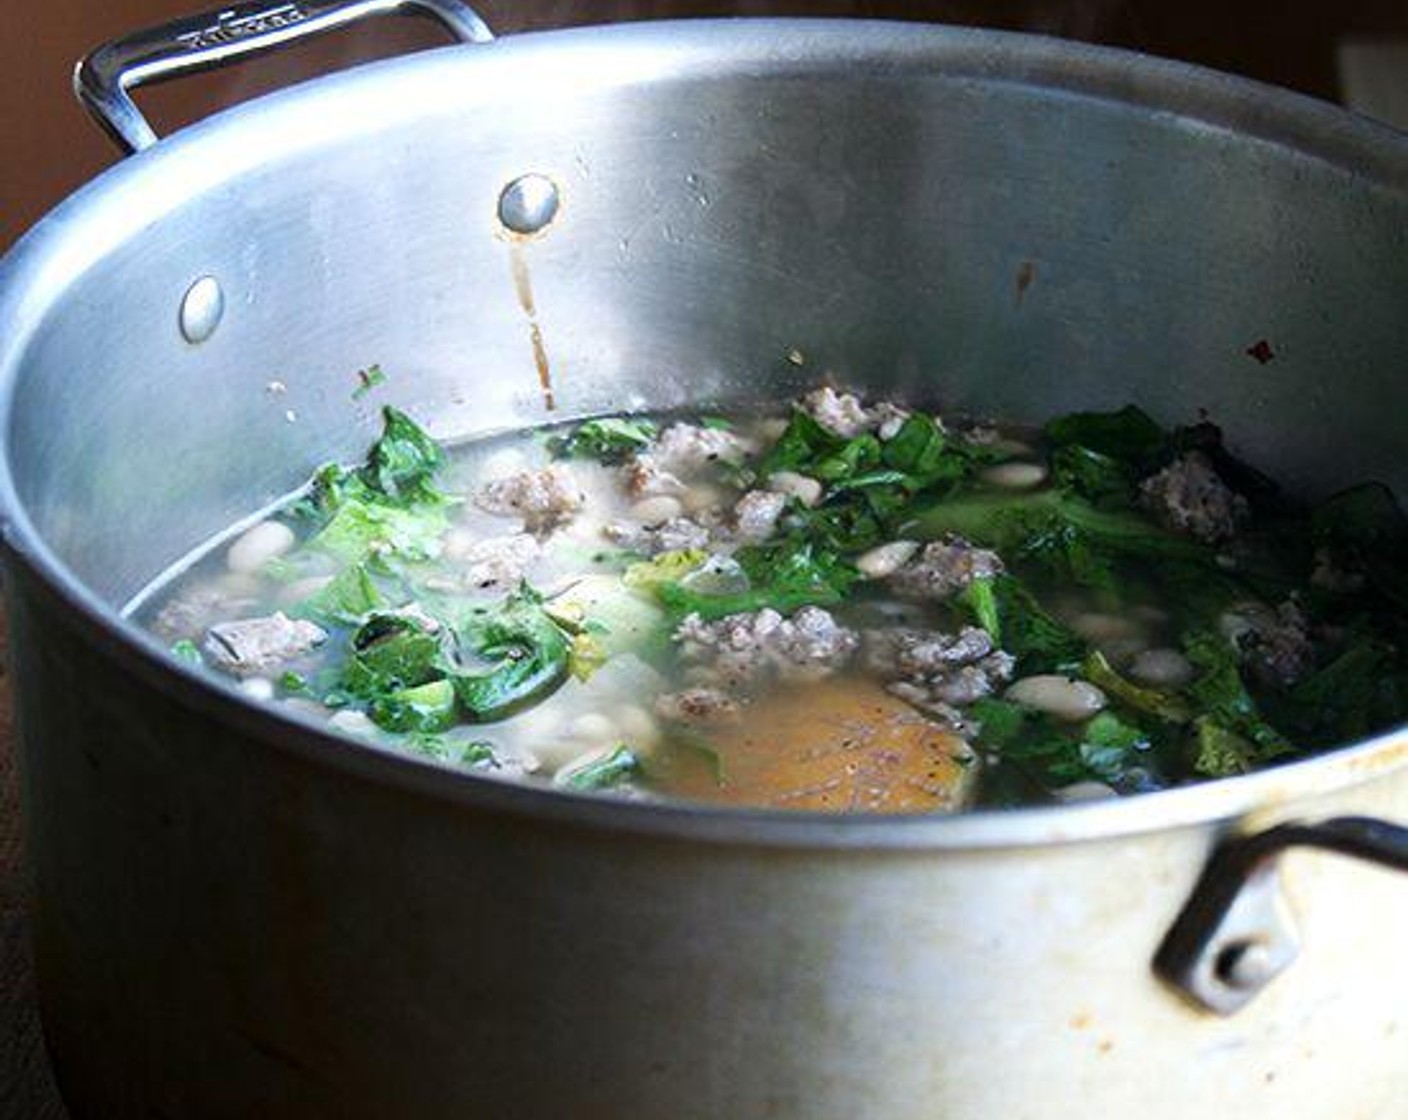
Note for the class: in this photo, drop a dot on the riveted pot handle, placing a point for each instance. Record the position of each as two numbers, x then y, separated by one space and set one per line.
211 39
1236 935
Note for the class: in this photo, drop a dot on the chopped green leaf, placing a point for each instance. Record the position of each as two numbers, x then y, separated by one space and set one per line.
1167 706
526 655
1010 612
1221 697
350 595
784 575
428 708
1129 436
609 440
602 773
187 651
367 380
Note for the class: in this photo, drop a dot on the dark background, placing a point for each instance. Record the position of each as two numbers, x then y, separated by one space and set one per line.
47 146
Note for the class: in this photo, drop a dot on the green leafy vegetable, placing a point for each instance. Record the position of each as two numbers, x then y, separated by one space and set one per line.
1128 437
526 653
187 651
367 380
402 464
602 773
425 708
351 595
1008 611
1361 691
608 440
393 652
1167 706
785 575
1220 696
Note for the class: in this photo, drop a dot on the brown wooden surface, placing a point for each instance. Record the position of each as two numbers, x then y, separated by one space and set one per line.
48 148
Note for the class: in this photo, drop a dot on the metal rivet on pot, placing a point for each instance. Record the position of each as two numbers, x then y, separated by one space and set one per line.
1247 965
529 204
202 309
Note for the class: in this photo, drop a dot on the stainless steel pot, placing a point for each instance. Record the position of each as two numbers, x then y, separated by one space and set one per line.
239 915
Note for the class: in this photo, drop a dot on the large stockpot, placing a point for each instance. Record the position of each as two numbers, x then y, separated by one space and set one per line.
238 915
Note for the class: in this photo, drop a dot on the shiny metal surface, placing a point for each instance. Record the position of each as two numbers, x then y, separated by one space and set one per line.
529 204
202 308
222 35
241 916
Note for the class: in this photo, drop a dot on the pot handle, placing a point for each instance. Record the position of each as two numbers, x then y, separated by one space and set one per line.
211 39
1235 934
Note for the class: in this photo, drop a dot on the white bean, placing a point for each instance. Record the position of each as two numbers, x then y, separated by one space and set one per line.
637 726
1098 628
1062 697
699 498
1015 476
1162 668
656 511
886 559
260 688
593 728
457 542
352 722
310 709
1085 791
301 589
1121 650
258 545
804 489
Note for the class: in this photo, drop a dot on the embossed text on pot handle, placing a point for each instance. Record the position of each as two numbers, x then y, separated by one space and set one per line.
1235 934
104 79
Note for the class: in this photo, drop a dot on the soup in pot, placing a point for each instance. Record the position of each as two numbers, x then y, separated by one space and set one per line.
828 605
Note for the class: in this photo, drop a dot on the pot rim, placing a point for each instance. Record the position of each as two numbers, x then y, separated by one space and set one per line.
120 203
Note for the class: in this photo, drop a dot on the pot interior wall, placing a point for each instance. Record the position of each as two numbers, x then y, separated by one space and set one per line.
987 225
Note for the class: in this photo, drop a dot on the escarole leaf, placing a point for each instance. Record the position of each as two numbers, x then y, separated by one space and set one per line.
1128 438
402 464
1006 609
784 575
1220 696
613 769
350 595
387 508
1167 706
415 673
608 440
525 653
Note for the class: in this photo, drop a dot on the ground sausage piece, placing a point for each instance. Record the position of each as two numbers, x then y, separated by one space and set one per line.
543 499
1188 497
646 478
500 561
755 516
253 645
938 671
684 448
675 535
944 568
1275 641
195 608
698 705
746 647
841 414
890 419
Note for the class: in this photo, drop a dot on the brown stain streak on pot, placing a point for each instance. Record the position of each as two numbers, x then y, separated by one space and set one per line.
1026 273
523 288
